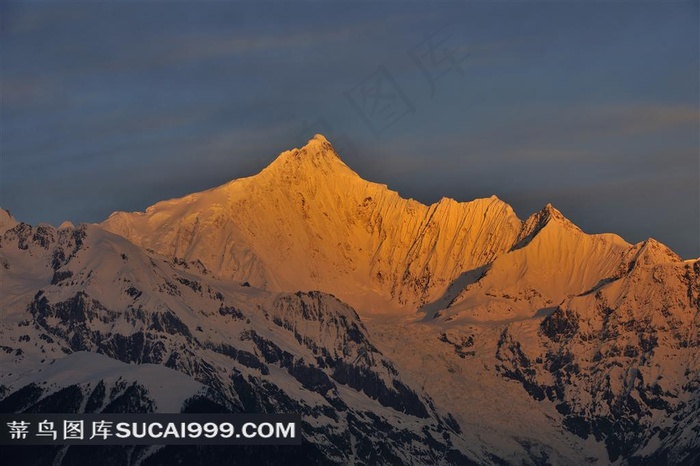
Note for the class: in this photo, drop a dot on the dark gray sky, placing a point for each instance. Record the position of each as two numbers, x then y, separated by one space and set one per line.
592 107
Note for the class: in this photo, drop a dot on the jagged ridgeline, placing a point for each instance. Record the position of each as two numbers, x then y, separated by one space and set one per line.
402 333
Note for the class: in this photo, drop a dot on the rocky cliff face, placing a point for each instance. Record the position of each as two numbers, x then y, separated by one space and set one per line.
620 361
93 302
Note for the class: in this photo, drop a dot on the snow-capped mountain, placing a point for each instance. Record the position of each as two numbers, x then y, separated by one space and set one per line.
308 221
404 334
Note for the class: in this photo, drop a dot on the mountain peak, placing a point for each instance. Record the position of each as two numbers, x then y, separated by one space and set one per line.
549 212
320 138
651 251
7 221
317 158
537 222
547 215
319 146
316 146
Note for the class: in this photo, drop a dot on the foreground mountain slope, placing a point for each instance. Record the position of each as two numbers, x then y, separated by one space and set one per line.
621 362
230 347
617 366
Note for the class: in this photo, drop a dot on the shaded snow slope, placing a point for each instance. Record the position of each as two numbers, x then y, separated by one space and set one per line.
225 346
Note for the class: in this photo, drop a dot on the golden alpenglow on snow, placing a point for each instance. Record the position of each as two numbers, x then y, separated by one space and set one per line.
308 221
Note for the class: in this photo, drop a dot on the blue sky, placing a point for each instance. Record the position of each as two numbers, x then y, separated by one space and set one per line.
593 107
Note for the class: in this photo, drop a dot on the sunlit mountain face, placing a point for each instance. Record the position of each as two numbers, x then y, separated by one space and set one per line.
454 333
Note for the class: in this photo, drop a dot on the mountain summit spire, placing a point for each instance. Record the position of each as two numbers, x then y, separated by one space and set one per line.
318 145
319 138
316 159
